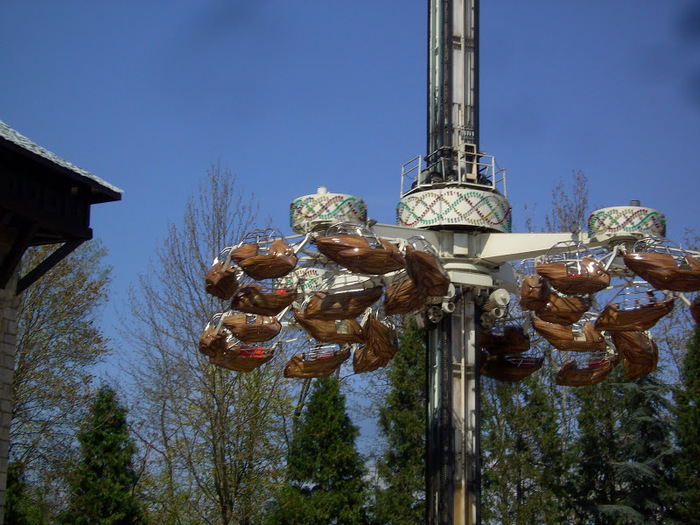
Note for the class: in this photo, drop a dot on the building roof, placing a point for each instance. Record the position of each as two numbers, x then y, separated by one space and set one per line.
103 190
44 199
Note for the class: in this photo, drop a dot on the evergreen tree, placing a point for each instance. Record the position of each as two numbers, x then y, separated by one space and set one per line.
16 495
402 422
625 452
687 426
643 469
324 468
27 503
521 454
597 443
508 461
102 486
548 429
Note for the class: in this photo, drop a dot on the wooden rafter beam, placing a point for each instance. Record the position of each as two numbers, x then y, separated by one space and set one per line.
20 244
44 266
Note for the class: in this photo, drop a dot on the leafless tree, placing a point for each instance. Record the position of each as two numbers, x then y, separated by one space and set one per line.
213 436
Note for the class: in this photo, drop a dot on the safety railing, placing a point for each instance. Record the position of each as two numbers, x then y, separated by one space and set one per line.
452 168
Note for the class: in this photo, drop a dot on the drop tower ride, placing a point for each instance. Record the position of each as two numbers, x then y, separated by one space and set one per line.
454 199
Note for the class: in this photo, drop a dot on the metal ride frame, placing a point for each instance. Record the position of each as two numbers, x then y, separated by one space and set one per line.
478 266
455 198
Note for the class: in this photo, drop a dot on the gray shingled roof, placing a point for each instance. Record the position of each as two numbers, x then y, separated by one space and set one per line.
9 134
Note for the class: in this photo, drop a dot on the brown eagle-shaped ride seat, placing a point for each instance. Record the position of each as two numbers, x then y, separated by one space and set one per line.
322 361
252 328
640 318
638 352
341 305
220 280
591 277
533 293
364 360
573 373
242 358
662 271
278 262
355 253
333 244
339 331
252 299
513 340
213 343
510 368
243 252
564 309
379 337
566 338
427 272
402 297
380 346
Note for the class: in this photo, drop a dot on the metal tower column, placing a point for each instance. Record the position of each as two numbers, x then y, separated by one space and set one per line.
452 466
452 473
465 408
440 426
453 115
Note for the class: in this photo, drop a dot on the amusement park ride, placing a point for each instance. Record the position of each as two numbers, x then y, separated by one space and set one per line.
484 295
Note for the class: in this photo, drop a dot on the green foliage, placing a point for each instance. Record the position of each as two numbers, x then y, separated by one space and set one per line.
612 467
523 464
687 427
16 500
324 468
644 469
103 482
624 440
401 469
59 340
597 443
18 504
25 503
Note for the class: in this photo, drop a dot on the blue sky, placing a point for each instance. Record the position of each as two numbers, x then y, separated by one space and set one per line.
295 94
